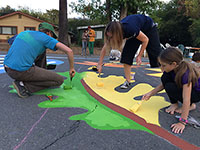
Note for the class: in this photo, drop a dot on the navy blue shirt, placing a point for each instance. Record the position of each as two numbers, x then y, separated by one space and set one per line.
133 24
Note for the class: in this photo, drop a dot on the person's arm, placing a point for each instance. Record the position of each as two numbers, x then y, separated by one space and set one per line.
70 55
94 35
180 126
148 95
102 55
187 89
83 36
144 39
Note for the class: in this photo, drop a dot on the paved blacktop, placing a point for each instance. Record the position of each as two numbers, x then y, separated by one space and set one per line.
26 126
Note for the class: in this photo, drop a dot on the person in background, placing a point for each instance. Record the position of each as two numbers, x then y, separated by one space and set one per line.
19 61
196 59
92 36
135 30
84 42
181 81
115 55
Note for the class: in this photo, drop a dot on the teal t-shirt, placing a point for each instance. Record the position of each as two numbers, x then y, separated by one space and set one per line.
26 47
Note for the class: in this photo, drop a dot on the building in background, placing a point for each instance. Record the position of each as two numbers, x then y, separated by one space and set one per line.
16 22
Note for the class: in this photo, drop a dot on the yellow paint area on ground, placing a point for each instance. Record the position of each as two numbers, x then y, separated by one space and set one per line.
155 74
154 69
149 110
90 68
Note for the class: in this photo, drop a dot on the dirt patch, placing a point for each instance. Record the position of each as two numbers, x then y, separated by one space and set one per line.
4 46
77 50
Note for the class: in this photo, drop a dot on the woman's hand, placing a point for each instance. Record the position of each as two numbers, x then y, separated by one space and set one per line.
146 96
138 60
72 72
99 68
178 127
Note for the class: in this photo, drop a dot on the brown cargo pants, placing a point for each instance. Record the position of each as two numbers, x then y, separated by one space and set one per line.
36 78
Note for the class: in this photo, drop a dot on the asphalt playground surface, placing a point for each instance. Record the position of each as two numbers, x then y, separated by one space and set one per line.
25 126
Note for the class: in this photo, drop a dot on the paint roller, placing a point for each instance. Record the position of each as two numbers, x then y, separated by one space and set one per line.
100 84
136 106
70 82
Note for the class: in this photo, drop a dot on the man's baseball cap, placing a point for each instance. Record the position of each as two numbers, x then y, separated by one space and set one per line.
45 25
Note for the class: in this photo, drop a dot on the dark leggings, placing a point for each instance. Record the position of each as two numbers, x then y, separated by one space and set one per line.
174 93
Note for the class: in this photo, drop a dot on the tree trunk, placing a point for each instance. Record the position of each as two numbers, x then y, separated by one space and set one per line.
123 11
108 11
63 22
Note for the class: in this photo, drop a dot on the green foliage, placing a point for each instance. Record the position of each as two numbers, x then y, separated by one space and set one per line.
50 15
94 10
192 8
173 24
6 10
193 11
178 20
195 32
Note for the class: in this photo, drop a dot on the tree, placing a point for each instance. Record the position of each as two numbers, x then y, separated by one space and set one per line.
93 10
115 9
193 11
6 10
108 12
63 22
173 30
53 16
192 8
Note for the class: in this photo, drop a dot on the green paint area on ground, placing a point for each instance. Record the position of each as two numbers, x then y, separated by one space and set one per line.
98 115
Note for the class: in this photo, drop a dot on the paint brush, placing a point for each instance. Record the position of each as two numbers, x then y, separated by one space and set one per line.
71 82
136 106
50 97
68 84
99 75
71 79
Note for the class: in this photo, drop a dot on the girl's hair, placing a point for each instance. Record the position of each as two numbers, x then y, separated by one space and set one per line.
172 54
116 41
45 30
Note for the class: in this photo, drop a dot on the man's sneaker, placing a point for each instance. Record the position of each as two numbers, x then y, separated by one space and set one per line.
21 90
51 66
125 85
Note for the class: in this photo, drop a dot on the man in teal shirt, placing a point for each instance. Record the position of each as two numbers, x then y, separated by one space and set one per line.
19 62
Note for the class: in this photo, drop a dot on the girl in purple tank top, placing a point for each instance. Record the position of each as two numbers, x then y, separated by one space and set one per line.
181 81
